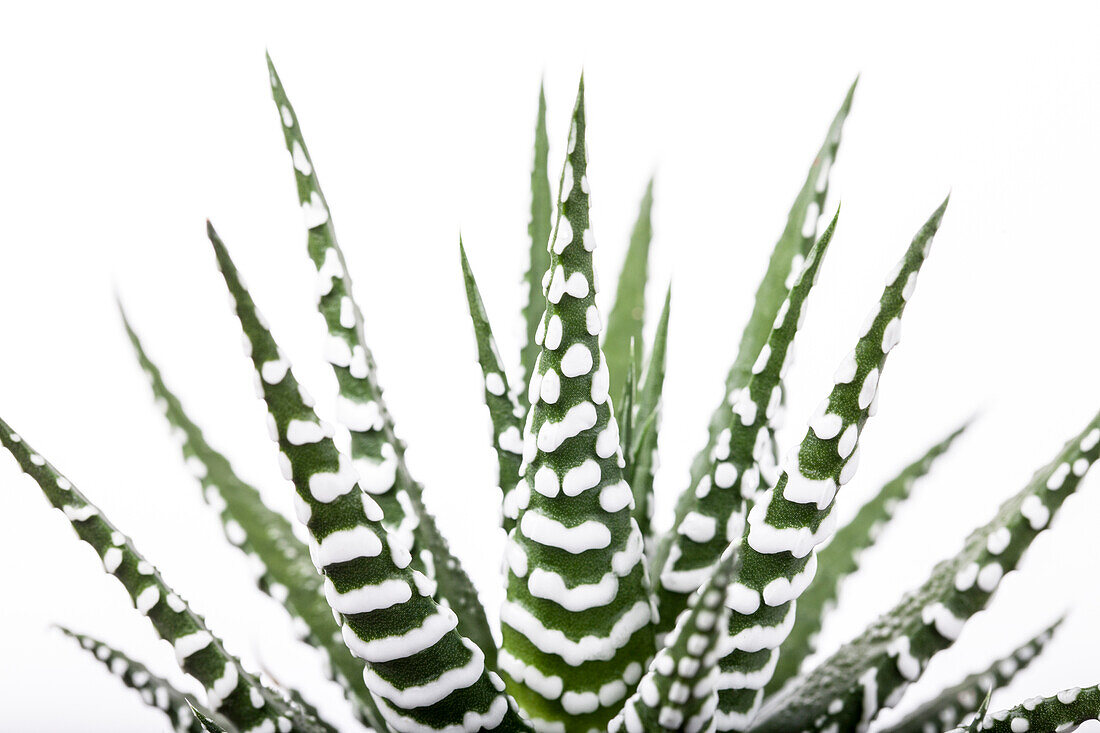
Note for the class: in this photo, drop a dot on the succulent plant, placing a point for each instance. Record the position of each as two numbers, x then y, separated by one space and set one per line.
607 624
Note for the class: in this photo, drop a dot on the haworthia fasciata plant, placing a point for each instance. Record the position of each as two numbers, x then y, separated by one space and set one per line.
282 562
895 649
377 454
422 671
678 691
642 449
577 622
956 702
840 558
538 231
718 514
789 520
583 650
622 341
155 691
504 411
232 691
794 243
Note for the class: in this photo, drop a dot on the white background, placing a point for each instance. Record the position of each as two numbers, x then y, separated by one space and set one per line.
126 125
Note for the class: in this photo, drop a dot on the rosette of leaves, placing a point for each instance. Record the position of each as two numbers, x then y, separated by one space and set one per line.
607 624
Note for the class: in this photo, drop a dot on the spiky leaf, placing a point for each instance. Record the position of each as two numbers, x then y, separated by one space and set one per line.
422 671
894 650
642 463
789 520
622 341
504 411
156 692
233 692
954 703
378 455
285 571
203 720
841 558
678 691
740 457
538 231
577 620
793 245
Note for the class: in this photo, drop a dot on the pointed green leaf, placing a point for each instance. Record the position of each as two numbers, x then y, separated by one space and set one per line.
378 455
156 692
203 720
956 702
1059 713
623 338
230 689
285 571
678 691
577 621
840 558
741 459
421 669
792 247
642 462
789 520
895 649
626 413
538 230
504 411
